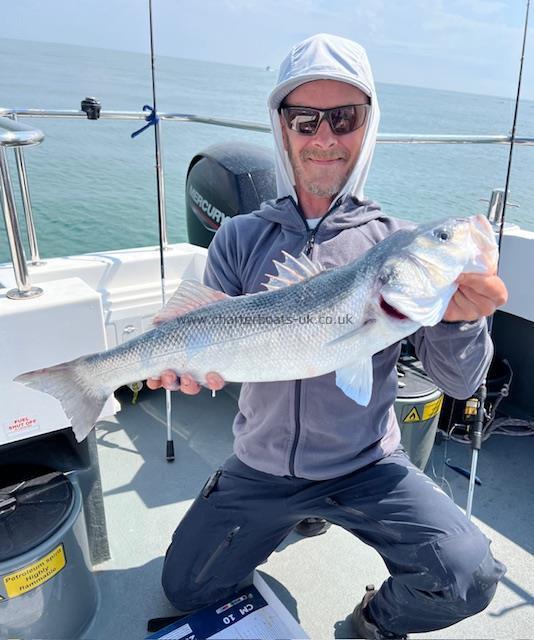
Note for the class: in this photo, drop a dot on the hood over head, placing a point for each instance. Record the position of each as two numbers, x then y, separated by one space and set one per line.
325 57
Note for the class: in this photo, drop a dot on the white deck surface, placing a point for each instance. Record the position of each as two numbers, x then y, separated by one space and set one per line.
318 579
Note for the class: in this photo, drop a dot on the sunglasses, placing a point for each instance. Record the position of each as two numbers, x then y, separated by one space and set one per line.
306 120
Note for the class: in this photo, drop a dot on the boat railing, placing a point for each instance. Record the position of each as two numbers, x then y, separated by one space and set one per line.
388 138
17 135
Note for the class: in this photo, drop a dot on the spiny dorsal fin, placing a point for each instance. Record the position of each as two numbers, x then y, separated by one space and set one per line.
291 271
188 296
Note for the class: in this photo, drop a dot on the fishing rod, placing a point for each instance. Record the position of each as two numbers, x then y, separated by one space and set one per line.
478 400
153 120
162 221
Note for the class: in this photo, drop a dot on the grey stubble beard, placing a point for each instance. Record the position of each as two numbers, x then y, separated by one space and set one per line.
316 188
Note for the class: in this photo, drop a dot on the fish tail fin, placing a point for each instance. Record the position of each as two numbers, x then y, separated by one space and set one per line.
81 403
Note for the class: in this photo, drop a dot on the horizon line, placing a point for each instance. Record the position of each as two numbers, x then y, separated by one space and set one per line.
266 68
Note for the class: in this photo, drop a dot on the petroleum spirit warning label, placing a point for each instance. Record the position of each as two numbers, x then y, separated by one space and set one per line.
427 411
36 574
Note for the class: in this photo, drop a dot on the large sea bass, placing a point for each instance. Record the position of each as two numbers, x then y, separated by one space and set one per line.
309 321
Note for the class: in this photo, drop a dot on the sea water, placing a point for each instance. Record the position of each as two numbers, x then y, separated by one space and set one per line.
94 188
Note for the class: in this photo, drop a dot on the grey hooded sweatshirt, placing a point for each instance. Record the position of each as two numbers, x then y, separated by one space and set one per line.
310 428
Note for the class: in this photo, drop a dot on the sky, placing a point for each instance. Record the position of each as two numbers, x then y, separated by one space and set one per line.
459 45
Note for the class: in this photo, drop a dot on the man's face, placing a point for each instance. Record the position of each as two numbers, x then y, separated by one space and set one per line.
323 162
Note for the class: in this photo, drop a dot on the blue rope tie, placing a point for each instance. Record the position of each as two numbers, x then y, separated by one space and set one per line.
152 119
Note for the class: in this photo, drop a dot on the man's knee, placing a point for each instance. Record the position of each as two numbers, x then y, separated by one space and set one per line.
183 598
472 573
483 583
178 589
185 593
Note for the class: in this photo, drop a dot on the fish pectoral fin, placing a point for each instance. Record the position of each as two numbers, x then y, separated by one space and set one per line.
292 270
356 381
188 296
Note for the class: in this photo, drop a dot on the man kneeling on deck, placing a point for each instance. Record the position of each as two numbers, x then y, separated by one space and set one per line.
303 448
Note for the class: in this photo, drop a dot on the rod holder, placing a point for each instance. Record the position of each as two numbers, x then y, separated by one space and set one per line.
495 211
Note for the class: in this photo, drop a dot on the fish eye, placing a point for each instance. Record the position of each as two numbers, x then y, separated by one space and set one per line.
442 234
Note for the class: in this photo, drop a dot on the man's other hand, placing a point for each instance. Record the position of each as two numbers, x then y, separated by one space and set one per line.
478 295
185 383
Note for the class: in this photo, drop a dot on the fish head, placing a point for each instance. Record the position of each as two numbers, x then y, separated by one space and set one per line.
418 279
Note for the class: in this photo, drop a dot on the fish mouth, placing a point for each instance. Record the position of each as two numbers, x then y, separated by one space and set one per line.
391 311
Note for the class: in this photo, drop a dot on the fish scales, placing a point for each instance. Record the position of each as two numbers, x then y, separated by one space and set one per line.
267 331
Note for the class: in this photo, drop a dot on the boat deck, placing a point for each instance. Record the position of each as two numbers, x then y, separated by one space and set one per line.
318 579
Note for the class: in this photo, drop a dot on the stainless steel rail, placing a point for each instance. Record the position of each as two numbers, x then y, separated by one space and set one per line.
14 134
17 135
26 202
388 138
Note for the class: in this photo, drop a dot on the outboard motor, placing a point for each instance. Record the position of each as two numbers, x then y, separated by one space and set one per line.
225 180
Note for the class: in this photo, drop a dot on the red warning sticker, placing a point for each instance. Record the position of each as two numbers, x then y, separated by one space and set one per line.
23 424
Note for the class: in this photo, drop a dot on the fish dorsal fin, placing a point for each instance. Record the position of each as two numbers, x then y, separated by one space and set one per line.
189 295
292 270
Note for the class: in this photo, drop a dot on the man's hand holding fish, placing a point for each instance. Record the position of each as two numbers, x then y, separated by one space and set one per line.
478 295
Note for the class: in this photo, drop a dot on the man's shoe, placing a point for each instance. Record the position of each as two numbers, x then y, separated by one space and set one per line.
363 627
312 527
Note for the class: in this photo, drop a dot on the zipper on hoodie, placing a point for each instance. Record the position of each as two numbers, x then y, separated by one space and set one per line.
308 249
310 242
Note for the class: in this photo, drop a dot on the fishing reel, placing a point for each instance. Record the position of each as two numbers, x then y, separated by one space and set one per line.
91 107
471 421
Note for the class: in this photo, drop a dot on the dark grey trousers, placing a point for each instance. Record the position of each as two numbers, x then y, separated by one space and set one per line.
441 566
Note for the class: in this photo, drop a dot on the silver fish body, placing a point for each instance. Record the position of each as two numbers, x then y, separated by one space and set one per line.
306 324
